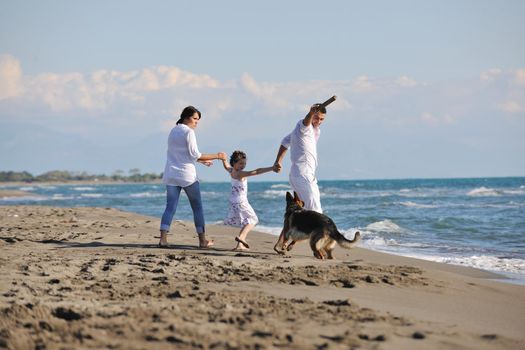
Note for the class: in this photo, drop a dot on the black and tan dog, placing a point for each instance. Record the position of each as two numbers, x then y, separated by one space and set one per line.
301 224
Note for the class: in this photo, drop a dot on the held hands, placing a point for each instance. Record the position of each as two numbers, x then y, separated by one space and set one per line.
276 167
314 109
222 156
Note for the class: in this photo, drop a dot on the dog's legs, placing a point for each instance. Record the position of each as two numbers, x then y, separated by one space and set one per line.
329 247
279 246
315 244
290 246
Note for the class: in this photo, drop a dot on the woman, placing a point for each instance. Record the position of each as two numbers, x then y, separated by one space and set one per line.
180 173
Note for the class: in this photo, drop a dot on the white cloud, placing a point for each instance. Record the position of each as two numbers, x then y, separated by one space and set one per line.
405 81
519 77
490 75
267 92
433 120
363 84
10 77
510 106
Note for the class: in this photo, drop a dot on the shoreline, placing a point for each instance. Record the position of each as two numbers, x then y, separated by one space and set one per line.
508 276
67 272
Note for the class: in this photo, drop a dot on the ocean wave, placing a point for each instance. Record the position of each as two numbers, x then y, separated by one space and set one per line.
276 231
281 186
416 205
484 262
518 192
274 194
384 226
147 195
23 199
375 242
27 188
84 188
483 192
61 197
92 195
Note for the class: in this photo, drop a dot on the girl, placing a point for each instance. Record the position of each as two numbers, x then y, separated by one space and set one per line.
241 212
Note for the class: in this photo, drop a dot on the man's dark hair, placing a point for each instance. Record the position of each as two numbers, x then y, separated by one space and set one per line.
321 108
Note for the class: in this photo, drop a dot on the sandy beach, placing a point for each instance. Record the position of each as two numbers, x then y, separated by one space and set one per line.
94 278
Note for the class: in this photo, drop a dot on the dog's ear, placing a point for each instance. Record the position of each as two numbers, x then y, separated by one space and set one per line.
295 196
289 197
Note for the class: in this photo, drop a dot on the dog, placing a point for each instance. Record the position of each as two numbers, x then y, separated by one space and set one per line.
301 224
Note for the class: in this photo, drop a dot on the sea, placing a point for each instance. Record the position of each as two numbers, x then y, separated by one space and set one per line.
476 222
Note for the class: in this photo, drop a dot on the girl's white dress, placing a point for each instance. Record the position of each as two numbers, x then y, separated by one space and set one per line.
241 212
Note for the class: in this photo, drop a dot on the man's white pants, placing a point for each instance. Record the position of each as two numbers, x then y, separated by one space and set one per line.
308 191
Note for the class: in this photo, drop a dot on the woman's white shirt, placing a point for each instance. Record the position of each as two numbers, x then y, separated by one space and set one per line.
181 157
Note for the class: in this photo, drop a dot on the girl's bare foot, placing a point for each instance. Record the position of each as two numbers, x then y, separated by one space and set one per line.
240 247
242 242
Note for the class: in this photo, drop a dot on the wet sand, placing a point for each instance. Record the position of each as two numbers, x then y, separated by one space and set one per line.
94 278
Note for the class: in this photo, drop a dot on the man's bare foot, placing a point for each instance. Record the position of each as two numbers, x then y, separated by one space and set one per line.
203 242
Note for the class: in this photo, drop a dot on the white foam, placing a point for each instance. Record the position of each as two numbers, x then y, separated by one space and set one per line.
27 188
483 192
280 186
147 195
384 226
416 205
84 188
276 231
484 262
61 197
92 195
274 194
520 191
24 198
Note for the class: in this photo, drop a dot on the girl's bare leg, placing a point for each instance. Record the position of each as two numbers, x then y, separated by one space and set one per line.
242 236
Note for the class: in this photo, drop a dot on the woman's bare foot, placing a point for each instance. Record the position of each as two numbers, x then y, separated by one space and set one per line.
203 242
206 243
163 239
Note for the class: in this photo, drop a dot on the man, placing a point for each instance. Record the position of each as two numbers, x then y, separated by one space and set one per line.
303 154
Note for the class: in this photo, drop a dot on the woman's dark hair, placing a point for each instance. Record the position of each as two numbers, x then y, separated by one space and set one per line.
188 112
236 156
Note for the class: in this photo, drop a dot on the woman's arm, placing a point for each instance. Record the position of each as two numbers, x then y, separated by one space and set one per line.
211 156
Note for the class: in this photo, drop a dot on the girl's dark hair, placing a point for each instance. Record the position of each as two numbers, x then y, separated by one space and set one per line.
236 156
188 112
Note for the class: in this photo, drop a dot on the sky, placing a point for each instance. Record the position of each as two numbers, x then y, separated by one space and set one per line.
426 89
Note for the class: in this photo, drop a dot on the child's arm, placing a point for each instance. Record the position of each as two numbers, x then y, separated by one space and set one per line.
226 165
258 171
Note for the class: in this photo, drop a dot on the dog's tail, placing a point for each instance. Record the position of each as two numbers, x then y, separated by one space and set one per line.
346 243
